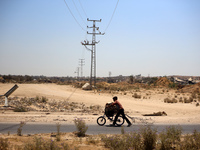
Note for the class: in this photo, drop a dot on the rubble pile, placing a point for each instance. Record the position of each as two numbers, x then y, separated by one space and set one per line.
45 105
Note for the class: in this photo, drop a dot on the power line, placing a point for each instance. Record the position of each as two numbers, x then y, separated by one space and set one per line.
82 8
79 13
112 16
74 16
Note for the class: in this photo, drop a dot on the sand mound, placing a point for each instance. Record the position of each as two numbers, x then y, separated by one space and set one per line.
195 88
163 81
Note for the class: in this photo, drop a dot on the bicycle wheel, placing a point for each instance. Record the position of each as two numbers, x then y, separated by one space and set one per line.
120 121
101 120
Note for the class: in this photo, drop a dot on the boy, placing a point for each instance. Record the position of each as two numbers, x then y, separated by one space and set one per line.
121 111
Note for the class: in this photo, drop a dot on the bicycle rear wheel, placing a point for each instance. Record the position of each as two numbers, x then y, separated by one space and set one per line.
101 120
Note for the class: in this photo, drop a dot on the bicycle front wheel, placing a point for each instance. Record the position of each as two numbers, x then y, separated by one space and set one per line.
101 120
120 121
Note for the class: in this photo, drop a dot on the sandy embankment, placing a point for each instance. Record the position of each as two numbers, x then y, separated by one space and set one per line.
179 113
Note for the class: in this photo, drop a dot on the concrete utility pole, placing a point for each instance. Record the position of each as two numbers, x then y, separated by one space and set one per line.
81 61
93 50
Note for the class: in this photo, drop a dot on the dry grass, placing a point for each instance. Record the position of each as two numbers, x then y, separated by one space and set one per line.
68 141
145 138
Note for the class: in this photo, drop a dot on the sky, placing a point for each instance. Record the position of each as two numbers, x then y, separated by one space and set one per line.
147 37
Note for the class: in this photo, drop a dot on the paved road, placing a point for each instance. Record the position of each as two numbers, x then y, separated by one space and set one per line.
31 128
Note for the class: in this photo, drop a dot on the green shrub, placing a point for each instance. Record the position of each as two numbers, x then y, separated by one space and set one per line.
172 85
81 127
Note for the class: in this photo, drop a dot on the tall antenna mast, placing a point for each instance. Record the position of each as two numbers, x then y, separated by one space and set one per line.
93 50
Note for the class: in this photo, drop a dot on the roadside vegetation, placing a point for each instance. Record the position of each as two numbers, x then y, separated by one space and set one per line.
146 138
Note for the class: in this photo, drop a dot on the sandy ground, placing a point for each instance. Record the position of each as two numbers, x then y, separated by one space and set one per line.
151 101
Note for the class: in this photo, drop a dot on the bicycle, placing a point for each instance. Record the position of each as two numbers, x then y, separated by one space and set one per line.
102 120
110 112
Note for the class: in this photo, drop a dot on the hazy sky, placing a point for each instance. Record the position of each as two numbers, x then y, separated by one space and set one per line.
148 37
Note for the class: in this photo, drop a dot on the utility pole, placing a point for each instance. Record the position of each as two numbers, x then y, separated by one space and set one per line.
93 50
110 74
77 71
81 61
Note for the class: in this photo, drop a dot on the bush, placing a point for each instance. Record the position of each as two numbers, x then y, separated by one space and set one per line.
172 85
91 140
122 130
168 100
170 137
58 138
188 100
149 137
136 96
44 99
145 139
41 100
181 100
81 127
191 141
20 109
19 130
122 142
41 144
4 144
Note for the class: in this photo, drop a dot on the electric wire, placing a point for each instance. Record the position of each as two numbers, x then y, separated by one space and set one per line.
112 16
79 13
74 16
82 8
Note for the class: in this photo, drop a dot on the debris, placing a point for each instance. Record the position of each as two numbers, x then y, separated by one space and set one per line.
86 86
157 114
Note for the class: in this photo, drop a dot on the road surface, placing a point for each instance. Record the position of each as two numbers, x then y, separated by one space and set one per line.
33 128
